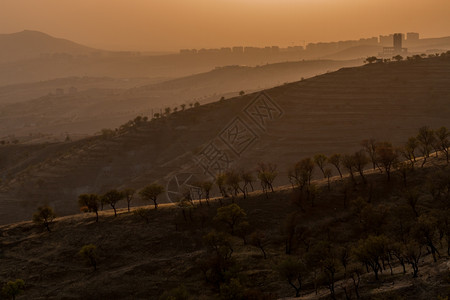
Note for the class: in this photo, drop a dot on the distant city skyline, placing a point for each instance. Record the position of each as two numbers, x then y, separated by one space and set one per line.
171 25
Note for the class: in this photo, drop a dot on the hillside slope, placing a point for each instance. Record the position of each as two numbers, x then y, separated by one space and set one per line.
142 260
328 113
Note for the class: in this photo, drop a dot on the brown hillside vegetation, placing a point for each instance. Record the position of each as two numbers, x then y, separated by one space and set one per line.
326 114
190 248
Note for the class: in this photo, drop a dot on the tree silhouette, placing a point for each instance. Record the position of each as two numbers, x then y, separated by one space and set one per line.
128 194
231 215
398 57
348 161
425 233
425 137
89 203
404 170
207 186
320 160
387 156
44 216
293 271
151 193
301 175
248 179
370 147
89 254
360 161
370 252
111 198
261 240
443 141
144 213
413 253
410 150
267 174
233 179
11 289
219 243
221 181
336 161
371 59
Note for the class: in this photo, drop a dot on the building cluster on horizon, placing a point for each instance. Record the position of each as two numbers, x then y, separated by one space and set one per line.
397 41
242 50
322 47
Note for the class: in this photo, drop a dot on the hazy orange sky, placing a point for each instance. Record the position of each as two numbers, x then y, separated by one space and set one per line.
174 24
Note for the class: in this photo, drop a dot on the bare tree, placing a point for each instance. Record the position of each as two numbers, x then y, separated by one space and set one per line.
425 232
387 156
425 137
443 140
370 147
336 161
128 194
261 240
301 175
348 161
207 186
410 149
320 160
248 179
293 271
233 179
267 174
360 161
412 254
370 251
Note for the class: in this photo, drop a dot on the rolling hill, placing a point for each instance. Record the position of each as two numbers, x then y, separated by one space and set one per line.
86 105
30 44
327 113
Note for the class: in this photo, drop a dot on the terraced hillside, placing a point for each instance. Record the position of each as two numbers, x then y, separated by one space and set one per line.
328 113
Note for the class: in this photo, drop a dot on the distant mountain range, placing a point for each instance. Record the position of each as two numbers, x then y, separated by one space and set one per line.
29 44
